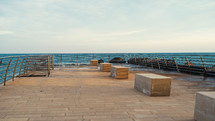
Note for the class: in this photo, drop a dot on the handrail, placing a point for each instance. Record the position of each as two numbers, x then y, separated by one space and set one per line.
200 65
176 62
5 78
21 67
14 66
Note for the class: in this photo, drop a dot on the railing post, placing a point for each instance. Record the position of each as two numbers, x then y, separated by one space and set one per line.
49 65
158 62
21 67
5 79
175 64
26 65
52 62
188 63
144 59
29 63
203 63
14 72
0 62
151 61
32 63
165 62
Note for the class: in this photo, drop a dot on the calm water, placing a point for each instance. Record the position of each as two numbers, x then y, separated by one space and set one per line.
86 57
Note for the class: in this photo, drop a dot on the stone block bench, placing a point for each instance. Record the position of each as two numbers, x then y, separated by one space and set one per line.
153 84
94 62
105 67
205 106
119 72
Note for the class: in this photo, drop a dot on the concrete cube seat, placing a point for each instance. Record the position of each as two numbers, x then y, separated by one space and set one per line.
205 106
153 84
94 62
119 72
105 67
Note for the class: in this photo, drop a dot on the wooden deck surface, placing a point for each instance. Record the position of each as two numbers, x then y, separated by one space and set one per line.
86 94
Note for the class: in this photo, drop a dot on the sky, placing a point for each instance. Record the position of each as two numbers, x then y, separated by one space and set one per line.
107 26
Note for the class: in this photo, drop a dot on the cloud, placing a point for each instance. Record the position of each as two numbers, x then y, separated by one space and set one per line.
88 34
5 32
125 33
108 24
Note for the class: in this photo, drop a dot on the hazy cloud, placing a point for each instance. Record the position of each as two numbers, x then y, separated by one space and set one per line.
124 33
106 25
5 32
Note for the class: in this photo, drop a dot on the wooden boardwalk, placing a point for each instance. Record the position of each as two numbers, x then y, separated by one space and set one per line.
86 94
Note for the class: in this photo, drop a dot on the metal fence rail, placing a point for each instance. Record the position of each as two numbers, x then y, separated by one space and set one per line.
193 64
11 67
186 63
17 66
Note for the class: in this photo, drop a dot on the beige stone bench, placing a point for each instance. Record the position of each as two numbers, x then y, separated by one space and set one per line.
205 106
119 72
105 67
94 62
153 84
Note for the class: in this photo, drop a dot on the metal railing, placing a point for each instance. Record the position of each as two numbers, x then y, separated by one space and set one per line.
17 66
10 67
193 64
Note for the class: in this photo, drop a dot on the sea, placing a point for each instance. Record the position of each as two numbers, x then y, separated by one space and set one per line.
69 58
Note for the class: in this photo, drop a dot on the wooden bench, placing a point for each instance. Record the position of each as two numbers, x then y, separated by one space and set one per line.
205 106
94 62
105 67
153 84
119 72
